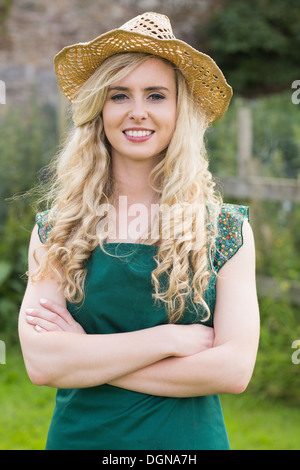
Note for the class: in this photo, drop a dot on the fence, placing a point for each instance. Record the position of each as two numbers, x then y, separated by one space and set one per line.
249 185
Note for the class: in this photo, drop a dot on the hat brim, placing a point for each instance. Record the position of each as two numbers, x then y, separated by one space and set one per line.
76 63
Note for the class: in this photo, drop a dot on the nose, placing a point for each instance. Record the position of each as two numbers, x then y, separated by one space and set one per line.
138 112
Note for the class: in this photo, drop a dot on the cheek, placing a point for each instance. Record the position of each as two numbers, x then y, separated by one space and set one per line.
110 122
106 116
170 123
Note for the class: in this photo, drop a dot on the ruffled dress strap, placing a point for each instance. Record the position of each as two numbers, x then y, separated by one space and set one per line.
230 237
43 221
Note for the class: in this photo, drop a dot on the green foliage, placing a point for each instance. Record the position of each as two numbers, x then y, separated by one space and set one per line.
27 141
277 239
256 44
5 7
222 143
275 374
276 135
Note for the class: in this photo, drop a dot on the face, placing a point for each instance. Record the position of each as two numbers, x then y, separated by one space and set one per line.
140 112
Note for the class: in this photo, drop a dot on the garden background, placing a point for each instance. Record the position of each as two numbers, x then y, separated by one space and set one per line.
256 43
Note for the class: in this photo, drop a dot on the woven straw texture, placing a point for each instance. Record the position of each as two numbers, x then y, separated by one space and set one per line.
149 33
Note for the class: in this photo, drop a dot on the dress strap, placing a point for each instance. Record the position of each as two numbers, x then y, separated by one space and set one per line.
43 222
230 237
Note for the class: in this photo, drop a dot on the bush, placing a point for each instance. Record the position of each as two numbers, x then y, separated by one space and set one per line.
27 142
256 44
275 375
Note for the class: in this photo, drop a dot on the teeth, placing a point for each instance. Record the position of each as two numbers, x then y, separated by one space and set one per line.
138 133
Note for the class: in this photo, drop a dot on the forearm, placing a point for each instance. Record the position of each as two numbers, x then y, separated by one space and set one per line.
217 370
68 360
62 355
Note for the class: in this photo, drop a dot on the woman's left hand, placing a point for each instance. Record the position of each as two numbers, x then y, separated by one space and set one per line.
52 317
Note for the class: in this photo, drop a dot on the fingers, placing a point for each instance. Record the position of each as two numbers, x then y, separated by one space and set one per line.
57 309
52 317
42 320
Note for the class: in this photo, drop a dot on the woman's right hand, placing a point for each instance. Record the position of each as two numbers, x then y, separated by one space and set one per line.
192 339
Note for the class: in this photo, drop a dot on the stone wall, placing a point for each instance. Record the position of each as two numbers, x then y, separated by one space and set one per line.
35 30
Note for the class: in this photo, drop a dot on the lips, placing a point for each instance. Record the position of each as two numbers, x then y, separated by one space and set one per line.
138 135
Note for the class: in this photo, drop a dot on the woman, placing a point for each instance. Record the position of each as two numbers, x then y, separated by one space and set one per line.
140 321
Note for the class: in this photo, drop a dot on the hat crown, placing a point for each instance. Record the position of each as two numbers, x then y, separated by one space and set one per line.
150 24
149 33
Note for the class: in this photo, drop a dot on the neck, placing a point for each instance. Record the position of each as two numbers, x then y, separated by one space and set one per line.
131 180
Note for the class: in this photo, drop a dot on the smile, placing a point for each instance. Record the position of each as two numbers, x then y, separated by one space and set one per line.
138 135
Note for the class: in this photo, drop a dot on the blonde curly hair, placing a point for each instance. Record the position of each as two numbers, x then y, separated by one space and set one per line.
82 181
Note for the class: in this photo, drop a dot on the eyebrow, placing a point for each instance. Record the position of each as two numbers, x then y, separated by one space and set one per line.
150 88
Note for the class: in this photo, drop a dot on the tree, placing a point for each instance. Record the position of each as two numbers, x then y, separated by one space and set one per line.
256 44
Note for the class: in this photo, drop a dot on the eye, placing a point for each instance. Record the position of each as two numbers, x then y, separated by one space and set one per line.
156 97
119 97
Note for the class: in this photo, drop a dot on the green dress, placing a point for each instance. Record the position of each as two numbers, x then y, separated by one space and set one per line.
118 298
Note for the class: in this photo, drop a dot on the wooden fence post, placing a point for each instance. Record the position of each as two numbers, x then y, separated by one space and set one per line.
244 142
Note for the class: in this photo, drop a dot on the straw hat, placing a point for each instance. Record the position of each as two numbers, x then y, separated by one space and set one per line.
149 33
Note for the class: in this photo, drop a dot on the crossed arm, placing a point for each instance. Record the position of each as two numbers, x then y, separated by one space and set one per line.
172 360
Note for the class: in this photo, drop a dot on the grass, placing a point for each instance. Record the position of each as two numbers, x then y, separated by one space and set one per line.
26 410
254 424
